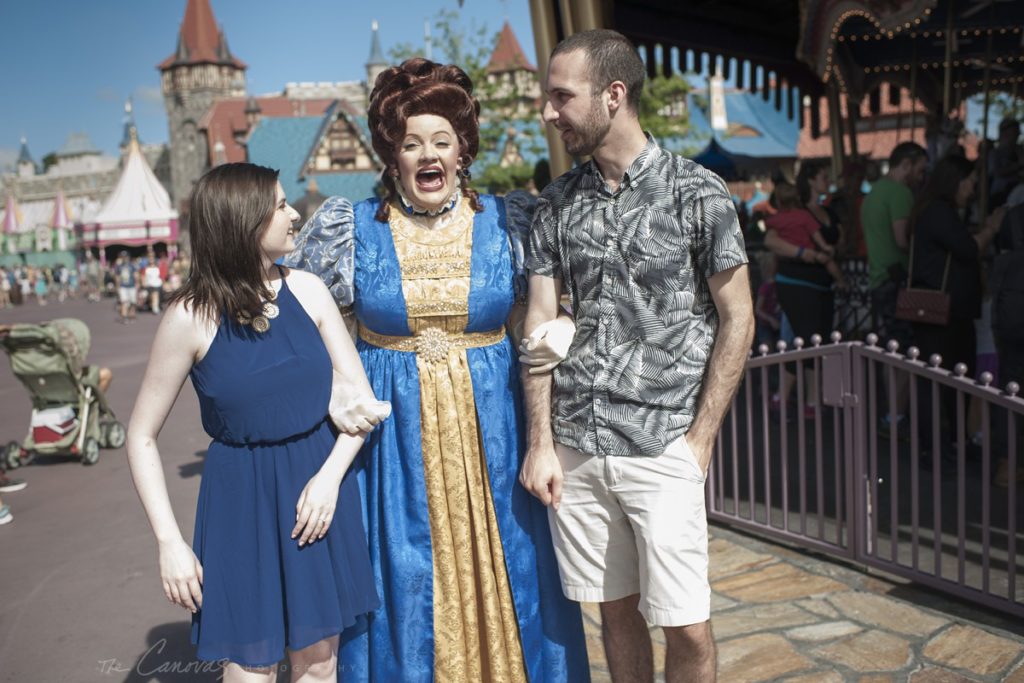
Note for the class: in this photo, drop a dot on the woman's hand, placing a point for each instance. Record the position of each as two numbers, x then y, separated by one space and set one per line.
358 414
548 345
182 575
315 509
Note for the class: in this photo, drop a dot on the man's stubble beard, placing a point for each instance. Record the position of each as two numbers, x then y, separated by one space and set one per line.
590 134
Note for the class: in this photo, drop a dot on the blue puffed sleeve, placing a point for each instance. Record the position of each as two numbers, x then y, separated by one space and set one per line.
519 207
326 248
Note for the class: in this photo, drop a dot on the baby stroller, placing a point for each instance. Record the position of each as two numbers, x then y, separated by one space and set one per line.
70 415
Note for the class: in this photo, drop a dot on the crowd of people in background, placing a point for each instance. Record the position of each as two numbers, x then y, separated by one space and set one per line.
920 225
137 283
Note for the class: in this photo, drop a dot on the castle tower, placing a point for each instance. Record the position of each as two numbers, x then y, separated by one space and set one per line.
517 91
201 71
376 63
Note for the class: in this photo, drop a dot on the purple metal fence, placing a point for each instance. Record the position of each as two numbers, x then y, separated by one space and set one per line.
784 469
840 473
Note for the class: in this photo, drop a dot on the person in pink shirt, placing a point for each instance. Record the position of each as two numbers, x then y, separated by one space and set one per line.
796 225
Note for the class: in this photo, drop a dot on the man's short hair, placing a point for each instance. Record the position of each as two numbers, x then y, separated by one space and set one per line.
906 151
610 57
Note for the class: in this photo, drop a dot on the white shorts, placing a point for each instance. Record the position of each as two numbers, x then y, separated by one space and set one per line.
629 525
127 295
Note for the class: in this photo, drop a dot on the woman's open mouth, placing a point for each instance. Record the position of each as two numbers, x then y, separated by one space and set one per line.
430 179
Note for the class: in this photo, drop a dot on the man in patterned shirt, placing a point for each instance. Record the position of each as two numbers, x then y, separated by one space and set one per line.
648 246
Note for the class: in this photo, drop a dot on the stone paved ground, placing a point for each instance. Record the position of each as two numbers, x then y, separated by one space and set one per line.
782 615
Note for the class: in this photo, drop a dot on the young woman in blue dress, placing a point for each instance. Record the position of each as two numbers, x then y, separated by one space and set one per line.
278 560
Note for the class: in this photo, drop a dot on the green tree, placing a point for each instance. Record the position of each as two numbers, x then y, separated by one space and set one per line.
469 44
49 160
663 110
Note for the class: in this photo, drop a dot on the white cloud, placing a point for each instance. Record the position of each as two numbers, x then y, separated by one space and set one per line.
149 93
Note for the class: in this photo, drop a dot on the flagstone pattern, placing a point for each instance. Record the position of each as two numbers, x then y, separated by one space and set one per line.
782 615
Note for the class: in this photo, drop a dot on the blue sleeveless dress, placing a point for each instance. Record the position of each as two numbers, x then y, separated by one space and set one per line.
264 400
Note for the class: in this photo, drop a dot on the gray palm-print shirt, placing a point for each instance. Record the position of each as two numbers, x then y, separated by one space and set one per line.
635 264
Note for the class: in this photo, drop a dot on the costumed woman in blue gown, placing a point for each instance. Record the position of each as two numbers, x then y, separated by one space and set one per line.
433 275
278 560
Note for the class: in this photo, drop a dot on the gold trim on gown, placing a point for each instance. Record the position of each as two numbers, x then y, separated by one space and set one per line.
476 633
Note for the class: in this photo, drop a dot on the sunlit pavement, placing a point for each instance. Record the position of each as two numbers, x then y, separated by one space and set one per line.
80 598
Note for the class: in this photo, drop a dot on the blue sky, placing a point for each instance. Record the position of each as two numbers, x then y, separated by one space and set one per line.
68 65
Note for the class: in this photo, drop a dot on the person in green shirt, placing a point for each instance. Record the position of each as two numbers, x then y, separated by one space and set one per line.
884 216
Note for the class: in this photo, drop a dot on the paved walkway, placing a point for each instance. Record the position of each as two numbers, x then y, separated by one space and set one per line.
782 615
80 598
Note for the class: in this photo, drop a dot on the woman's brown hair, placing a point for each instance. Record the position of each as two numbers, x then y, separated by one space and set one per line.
229 209
414 87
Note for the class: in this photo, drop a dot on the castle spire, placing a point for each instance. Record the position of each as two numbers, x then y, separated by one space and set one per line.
200 39
130 131
376 54
24 156
376 63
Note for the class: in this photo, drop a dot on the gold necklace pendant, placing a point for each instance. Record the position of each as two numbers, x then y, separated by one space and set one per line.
270 310
260 324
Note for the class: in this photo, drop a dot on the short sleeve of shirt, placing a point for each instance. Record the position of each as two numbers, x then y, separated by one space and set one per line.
542 256
902 202
326 248
519 206
719 240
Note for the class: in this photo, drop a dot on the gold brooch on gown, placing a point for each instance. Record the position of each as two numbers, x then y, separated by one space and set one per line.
432 345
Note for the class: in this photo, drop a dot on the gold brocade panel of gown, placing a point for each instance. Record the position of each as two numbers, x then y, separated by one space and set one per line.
476 634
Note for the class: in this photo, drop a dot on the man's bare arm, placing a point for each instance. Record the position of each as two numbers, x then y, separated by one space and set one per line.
541 474
901 233
730 290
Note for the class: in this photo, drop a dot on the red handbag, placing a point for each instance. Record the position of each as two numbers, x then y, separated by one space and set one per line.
929 306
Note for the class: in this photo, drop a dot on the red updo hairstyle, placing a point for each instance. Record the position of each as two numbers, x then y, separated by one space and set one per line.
419 86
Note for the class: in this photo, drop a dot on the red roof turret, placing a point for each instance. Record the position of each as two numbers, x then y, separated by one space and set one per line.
508 55
200 41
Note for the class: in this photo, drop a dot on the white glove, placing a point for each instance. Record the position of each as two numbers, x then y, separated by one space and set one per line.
548 345
360 414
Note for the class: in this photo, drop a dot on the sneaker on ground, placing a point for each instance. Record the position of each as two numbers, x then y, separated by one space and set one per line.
5 515
11 485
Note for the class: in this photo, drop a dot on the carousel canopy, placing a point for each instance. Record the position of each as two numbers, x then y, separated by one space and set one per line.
747 36
774 46
915 43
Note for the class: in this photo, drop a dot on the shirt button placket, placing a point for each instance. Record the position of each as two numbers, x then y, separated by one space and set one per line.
610 223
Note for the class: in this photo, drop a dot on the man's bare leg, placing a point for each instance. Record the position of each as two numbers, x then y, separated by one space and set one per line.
627 642
690 654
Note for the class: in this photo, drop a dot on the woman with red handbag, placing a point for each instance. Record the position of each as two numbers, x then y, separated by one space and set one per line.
945 257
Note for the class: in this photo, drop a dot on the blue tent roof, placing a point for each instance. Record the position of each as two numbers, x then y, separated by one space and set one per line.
776 135
717 160
285 143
